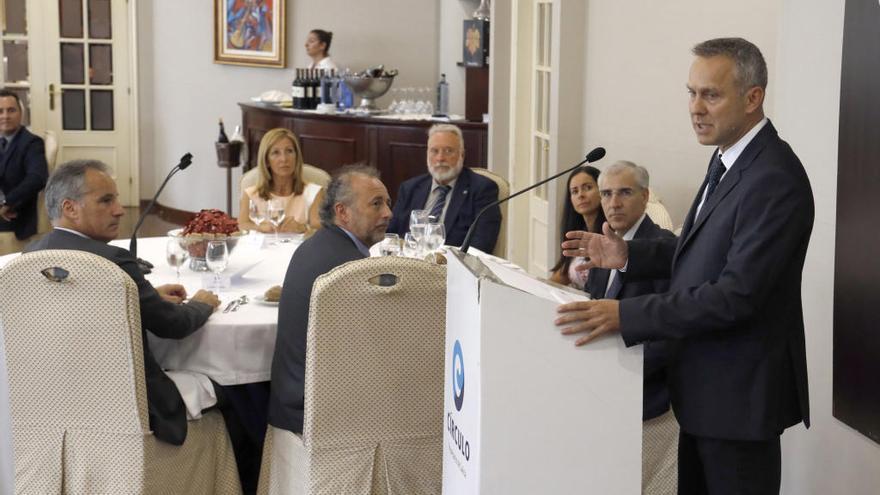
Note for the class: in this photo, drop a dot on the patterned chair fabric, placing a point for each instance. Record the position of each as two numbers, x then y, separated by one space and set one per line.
374 385
77 392
658 212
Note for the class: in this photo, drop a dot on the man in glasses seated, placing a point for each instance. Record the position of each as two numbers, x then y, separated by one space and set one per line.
451 193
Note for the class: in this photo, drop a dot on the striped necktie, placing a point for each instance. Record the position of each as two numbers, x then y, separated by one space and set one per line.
716 170
616 284
437 209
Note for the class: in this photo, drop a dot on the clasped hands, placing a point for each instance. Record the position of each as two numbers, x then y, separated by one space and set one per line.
176 294
7 213
597 317
289 224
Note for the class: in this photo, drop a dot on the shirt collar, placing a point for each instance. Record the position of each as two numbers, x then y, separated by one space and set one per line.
357 242
632 230
73 232
10 137
728 158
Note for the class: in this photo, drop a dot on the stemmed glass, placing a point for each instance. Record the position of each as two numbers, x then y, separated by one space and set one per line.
418 221
276 214
217 257
256 214
435 236
390 246
176 255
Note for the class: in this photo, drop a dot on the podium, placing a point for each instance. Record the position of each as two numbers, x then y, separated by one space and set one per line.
525 411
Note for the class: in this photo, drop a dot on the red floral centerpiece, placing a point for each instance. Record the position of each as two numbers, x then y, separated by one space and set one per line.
207 225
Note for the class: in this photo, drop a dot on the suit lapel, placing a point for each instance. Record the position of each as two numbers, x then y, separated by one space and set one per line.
459 195
598 282
420 195
727 184
11 147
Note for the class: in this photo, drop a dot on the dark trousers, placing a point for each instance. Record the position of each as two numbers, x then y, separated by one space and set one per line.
245 410
710 466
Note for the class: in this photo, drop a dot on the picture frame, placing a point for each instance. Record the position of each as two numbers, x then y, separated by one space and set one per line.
250 32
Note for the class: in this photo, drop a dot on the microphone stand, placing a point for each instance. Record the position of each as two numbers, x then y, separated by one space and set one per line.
593 156
146 266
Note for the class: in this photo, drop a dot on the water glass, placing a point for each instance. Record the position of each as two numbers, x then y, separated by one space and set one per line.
418 216
390 246
411 246
435 236
255 213
176 255
418 233
217 257
276 214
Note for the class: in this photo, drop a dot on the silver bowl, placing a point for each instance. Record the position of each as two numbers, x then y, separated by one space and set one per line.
368 89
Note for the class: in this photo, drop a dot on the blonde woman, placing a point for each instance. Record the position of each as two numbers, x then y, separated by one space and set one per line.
280 179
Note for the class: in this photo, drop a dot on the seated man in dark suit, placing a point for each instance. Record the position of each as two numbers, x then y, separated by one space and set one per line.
623 189
451 193
354 214
83 205
23 171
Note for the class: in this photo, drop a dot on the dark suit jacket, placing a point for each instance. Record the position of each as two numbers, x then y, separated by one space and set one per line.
161 318
739 367
471 193
23 174
655 398
324 251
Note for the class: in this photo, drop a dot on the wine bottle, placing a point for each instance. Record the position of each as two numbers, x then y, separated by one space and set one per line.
298 90
309 90
222 138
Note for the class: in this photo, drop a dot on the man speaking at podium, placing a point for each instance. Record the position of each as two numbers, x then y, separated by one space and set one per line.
733 314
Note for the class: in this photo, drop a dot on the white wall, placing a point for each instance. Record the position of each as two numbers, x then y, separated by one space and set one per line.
183 93
637 60
830 457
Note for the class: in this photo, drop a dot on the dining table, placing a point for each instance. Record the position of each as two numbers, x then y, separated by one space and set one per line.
235 346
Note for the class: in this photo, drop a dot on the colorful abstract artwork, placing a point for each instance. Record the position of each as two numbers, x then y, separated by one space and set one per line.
249 32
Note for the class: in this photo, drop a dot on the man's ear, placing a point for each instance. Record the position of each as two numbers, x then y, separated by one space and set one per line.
341 212
69 209
754 99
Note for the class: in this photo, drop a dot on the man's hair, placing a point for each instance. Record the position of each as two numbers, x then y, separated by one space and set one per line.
448 128
6 93
640 173
751 69
68 182
339 190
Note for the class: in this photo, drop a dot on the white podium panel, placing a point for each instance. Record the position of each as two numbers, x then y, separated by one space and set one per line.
525 410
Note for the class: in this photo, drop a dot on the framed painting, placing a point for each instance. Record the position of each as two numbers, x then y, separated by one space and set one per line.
249 32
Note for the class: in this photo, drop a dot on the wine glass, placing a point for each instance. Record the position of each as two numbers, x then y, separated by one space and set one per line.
217 257
435 236
390 246
276 214
418 216
176 255
255 213
410 246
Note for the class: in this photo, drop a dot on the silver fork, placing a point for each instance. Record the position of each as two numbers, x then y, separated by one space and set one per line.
239 302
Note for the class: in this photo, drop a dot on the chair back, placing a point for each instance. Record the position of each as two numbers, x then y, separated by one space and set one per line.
311 174
658 212
503 191
374 378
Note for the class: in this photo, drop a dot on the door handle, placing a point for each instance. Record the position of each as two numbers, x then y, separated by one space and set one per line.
52 96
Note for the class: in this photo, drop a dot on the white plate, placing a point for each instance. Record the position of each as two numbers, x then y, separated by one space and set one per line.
261 299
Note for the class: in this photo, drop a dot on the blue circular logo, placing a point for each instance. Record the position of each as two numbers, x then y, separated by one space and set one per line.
457 375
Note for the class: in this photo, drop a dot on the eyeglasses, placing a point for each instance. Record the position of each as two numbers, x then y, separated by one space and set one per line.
442 151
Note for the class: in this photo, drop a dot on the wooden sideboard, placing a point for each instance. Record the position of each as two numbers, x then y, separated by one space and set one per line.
397 148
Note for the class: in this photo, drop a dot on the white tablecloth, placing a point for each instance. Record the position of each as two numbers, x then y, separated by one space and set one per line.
236 347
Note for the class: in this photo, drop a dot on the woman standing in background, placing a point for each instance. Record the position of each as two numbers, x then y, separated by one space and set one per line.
318 49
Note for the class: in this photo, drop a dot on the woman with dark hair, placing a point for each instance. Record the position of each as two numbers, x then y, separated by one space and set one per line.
581 211
280 178
318 49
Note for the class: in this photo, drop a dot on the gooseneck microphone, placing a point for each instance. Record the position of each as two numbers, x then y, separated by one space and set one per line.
591 157
185 161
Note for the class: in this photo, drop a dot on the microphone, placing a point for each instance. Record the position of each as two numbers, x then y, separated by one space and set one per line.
145 266
593 156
